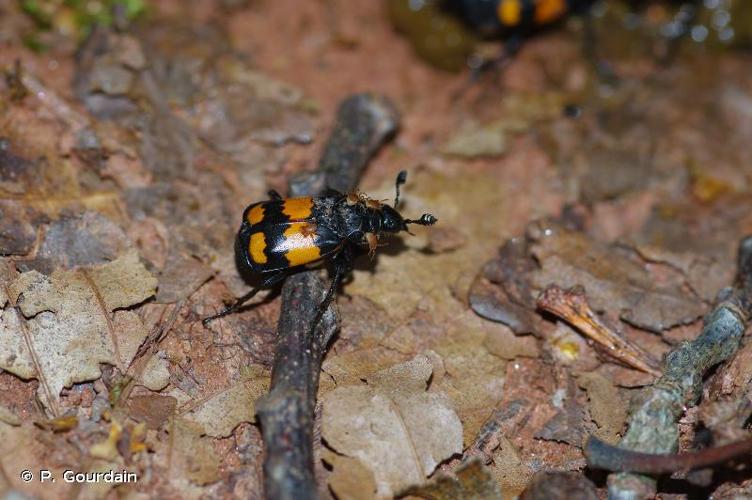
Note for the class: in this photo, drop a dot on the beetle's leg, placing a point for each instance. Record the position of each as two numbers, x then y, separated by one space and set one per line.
497 64
342 266
274 195
493 66
268 282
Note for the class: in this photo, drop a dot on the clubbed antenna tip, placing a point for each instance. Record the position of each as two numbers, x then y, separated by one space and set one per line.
425 220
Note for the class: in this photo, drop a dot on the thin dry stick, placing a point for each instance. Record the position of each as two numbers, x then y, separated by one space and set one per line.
652 426
140 360
286 414
605 456
108 319
572 306
54 408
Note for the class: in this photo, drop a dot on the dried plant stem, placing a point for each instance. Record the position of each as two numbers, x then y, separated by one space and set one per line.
286 414
652 426
572 306
603 455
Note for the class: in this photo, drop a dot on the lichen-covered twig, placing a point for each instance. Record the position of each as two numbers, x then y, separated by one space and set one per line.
572 306
653 425
286 414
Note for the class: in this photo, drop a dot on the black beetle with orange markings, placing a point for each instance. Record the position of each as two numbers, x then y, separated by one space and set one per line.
511 17
517 20
280 236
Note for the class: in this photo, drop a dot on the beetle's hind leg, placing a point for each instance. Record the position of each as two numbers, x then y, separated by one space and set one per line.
268 282
342 264
479 66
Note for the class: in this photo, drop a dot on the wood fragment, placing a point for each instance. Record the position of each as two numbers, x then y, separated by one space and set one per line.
572 306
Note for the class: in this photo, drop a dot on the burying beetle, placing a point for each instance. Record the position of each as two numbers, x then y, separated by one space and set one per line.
515 20
283 235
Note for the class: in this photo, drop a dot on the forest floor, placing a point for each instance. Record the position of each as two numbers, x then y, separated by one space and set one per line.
127 158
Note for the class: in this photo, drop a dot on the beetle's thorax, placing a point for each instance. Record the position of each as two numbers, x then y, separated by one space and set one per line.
347 220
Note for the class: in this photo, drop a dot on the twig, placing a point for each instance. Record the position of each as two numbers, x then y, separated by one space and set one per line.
572 306
35 360
59 107
652 426
602 455
140 360
286 414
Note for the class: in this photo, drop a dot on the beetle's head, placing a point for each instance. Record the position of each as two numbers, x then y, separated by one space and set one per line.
392 221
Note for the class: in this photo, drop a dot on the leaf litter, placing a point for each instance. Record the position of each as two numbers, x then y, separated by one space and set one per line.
68 323
121 195
392 425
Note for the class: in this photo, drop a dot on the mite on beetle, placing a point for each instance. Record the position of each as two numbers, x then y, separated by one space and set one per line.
280 236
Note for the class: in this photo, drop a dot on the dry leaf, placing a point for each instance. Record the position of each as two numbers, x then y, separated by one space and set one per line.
615 280
351 367
220 413
180 278
473 141
151 409
510 471
705 275
503 343
192 454
559 485
474 379
608 407
350 478
502 290
473 481
85 239
392 425
71 327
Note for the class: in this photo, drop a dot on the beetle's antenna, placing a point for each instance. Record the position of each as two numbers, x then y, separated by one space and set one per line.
425 220
401 179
